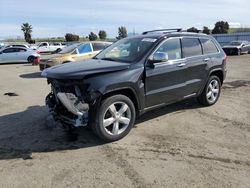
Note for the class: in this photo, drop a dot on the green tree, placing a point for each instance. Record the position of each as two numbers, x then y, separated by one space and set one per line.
220 27
102 34
206 30
122 32
92 36
27 30
71 37
193 29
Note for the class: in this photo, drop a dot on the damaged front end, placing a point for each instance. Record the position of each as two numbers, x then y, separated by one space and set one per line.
69 102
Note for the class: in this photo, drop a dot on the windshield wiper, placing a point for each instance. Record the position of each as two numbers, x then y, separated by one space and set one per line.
108 59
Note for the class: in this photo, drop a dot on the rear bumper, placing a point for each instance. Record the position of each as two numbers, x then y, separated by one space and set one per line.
231 51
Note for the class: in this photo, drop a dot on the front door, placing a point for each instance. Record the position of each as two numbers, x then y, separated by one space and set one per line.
165 81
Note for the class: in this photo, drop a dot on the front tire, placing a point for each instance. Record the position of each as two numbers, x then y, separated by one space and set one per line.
239 52
31 59
211 92
115 118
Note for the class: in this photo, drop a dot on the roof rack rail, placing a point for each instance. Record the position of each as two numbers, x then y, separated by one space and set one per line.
163 31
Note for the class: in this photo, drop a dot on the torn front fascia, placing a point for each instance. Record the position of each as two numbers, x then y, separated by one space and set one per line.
66 108
71 106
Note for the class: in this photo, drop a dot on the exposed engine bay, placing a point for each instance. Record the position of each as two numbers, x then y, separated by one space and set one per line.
69 102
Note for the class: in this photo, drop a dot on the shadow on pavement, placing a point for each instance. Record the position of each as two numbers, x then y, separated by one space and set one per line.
31 75
30 131
173 108
26 132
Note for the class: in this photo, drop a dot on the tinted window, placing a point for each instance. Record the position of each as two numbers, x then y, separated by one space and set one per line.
85 48
172 48
98 46
208 46
191 47
20 50
9 50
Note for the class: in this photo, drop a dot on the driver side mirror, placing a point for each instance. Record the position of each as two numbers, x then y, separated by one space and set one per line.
158 57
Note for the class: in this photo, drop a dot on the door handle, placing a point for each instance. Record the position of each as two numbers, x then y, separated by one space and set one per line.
206 60
181 64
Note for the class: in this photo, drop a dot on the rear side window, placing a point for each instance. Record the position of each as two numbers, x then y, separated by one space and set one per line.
172 48
98 46
85 48
208 46
191 47
20 50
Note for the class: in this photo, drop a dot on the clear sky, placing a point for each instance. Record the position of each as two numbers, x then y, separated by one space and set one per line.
51 18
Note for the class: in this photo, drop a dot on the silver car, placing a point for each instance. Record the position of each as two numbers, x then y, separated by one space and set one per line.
18 55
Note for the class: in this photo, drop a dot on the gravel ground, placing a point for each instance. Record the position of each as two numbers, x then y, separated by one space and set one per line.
181 145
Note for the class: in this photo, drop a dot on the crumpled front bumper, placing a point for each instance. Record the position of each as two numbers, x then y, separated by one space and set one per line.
68 109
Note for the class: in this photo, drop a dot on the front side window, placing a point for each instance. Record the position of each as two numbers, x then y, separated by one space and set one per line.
172 47
127 50
85 48
191 47
235 43
208 46
43 44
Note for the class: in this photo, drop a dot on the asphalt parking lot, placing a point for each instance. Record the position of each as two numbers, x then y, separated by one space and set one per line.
181 145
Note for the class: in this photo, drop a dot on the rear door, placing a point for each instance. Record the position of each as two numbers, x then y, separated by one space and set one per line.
20 55
196 65
165 81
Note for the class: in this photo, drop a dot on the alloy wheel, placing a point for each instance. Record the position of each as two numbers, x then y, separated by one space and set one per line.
116 118
213 91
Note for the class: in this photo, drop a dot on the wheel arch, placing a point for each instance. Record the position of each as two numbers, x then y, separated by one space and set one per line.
219 74
128 92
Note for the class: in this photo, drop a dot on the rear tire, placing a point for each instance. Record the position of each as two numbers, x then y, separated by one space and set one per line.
115 118
211 92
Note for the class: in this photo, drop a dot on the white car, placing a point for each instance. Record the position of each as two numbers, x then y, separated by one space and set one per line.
46 47
18 55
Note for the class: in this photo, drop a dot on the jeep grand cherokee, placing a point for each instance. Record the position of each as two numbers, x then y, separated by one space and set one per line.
134 75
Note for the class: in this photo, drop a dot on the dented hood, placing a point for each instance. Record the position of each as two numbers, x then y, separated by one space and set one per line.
78 70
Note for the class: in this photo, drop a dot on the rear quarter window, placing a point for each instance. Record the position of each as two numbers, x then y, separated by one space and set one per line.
98 46
208 46
191 47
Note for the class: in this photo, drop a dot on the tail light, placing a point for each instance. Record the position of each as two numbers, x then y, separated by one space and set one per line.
37 60
38 52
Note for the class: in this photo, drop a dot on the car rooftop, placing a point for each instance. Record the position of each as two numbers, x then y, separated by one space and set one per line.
159 34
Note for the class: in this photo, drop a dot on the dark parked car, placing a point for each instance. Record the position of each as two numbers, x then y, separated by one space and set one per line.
237 48
134 75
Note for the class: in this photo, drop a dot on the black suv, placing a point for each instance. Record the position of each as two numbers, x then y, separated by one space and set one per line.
134 75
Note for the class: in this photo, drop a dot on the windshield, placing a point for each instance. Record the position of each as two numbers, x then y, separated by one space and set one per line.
235 43
127 50
69 49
